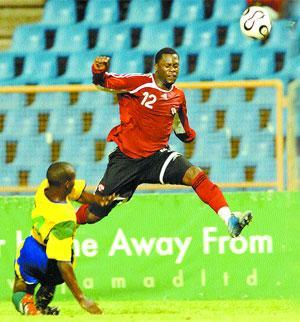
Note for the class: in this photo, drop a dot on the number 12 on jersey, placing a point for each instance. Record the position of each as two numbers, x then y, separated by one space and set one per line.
148 100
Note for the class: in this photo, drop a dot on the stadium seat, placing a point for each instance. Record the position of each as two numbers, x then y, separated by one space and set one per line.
33 151
227 170
143 12
200 35
70 39
9 101
255 63
241 119
78 68
50 101
185 12
294 9
114 38
104 119
236 41
256 147
38 67
101 12
218 60
59 12
193 97
220 97
25 119
7 66
28 38
9 175
91 172
282 36
209 147
64 122
78 150
264 96
228 10
93 100
156 36
126 62
265 171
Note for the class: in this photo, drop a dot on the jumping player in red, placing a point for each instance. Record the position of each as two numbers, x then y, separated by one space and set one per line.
151 106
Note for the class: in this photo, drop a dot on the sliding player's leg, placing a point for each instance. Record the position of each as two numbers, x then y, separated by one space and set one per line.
43 297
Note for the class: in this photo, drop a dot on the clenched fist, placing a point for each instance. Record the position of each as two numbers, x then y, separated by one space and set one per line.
100 64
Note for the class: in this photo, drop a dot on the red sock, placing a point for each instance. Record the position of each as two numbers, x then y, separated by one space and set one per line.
81 214
208 192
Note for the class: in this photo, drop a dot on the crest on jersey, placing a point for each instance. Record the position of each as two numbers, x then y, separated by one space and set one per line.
164 96
173 110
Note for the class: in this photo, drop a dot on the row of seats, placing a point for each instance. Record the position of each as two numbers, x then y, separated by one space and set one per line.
99 121
152 37
215 98
210 64
257 151
140 12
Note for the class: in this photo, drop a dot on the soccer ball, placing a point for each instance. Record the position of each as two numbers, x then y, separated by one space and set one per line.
255 22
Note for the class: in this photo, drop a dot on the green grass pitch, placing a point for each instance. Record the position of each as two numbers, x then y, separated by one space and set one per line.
204 311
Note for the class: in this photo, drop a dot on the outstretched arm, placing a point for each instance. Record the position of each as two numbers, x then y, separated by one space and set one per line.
67 273
88 198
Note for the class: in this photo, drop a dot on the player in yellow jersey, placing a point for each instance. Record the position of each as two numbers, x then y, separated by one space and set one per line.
46 256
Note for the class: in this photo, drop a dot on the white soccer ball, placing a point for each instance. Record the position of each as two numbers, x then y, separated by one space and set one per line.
255 22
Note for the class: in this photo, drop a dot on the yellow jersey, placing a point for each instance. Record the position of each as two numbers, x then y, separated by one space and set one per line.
54 223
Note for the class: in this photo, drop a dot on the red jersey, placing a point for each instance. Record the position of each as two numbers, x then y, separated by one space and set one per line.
146 112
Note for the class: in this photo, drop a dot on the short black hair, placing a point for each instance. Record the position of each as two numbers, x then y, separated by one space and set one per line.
166 50
60 172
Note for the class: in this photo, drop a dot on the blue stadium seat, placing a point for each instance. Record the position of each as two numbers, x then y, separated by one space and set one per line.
265 171
235 40
9 101
212 63
91 172
221 97
37 173
294 9
104 119
114 37
78 68
210 146
255 63
50 101
282 36
143 12
228 10
9 175
7 66
126 62
28 38
33 151
64 122
101 12
38 68
204 121
59 12
241 119
26 120
264 96
93 100
193 97
156 36
200 35
256 147
227 170
184 12
78 150
290 70
70 38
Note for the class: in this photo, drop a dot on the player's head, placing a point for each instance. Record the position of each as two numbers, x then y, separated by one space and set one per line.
61 174
167 65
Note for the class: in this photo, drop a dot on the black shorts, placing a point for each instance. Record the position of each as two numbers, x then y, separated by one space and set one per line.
124 174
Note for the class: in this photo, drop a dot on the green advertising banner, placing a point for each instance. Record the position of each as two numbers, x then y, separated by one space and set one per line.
172 246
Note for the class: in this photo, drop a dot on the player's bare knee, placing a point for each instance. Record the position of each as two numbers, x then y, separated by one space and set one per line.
190 175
